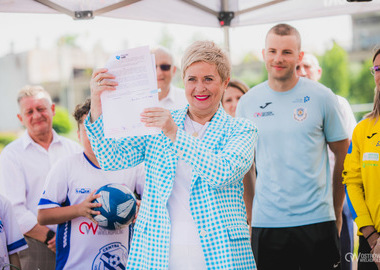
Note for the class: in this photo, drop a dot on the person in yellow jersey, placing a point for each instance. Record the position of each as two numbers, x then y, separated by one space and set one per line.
361 177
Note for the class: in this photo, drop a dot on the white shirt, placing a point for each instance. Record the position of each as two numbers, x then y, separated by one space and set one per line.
24 165
185 246
11 239
175 99
80 242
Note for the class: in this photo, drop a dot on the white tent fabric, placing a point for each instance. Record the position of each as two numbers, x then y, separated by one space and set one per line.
190 12
194 12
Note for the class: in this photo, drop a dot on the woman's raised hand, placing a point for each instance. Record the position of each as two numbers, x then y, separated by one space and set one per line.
160 118
100 81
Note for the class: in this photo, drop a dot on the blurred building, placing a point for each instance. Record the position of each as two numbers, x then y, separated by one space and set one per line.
365 35
64 71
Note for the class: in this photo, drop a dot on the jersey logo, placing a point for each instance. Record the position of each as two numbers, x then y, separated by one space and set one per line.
263 114
86 228
300 114
83 190
111 257
373 134
266 104
302 100
371 156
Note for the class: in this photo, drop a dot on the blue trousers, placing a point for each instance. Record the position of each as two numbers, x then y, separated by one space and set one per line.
346 238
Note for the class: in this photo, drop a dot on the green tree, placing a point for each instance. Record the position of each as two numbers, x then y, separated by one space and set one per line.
362 86
250 57
61 121
69 40
6 138
250 70
335 73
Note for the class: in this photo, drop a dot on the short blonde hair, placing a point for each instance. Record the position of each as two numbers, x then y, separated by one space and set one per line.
284 29
313 59
209 52
33 91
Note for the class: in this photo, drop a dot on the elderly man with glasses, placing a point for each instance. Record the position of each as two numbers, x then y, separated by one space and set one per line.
170 97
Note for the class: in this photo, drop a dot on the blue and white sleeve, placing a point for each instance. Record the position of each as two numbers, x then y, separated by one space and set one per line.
15 239
334 127
226 167
114 154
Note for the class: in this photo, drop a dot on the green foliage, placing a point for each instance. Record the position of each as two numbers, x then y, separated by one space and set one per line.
6 138
264 74
251 78
335 73
360 115
250 57
351 80
362 84
69 40
61 121
250 70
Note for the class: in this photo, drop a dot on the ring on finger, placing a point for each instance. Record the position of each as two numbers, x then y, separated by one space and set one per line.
100 82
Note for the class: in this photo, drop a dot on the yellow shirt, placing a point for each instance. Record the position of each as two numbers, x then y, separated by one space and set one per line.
361 174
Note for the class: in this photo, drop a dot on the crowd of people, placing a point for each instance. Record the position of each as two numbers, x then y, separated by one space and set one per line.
271 177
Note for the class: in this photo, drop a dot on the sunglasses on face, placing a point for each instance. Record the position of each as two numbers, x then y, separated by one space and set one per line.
164 67
375 70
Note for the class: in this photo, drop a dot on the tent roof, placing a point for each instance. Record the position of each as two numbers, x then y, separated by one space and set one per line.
194 12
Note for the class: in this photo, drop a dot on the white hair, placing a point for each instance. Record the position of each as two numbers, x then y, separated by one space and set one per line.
313 59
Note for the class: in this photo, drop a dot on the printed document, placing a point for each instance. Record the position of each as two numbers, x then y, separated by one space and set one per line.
135 72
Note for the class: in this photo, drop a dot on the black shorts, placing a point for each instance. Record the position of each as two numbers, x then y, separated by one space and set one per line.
365 260
314 246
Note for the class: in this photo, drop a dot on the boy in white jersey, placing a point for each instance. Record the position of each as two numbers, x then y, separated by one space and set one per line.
11 239
67 201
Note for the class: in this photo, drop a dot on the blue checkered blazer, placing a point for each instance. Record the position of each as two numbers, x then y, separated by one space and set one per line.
220 161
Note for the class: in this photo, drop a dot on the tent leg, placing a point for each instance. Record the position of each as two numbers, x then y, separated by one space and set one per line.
226 30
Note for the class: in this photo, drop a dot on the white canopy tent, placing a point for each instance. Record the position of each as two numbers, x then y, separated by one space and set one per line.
211 13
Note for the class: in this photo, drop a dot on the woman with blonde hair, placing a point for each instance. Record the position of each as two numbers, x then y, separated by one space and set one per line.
361 176
192 215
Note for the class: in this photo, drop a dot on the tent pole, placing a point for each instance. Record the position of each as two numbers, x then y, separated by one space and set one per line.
226 30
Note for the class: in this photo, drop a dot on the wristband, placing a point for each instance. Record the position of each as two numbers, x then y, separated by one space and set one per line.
370 235
50 234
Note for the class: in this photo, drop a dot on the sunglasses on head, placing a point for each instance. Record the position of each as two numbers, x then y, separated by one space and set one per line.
374 69
164 67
